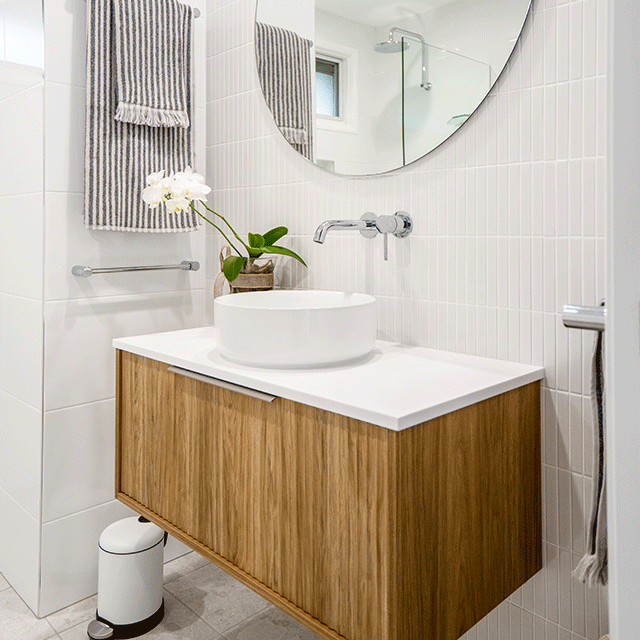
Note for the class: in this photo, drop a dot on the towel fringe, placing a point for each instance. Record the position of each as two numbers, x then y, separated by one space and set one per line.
591 570
151 117
295 136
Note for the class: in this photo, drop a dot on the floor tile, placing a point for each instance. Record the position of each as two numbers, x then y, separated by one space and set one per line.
18 623
183 565
3 583
270 624
73 615
179 623
216 597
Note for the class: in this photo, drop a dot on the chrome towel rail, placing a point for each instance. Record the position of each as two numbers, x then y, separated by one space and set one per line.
576 317
85 272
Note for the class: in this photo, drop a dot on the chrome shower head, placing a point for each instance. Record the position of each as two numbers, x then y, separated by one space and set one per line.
391 46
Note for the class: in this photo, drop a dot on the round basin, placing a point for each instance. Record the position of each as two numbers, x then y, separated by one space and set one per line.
294 328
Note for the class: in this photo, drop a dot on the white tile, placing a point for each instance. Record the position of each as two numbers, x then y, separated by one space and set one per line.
21 133
175 549
64 142
21 453
78 458
68 243
19 550
23 41
77 613
21 348
18 623
223 601
21 245
65 37
79 358
70 555
183 565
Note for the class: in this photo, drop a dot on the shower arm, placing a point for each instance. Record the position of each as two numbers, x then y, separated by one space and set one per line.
425 84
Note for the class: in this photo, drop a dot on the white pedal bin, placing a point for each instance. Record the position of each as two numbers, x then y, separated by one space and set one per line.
131 554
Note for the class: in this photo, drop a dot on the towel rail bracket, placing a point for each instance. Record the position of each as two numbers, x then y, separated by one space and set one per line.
577 317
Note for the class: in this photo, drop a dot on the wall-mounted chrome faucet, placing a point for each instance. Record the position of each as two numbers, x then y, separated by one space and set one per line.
370 225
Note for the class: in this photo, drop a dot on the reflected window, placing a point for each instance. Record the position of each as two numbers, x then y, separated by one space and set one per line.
328 87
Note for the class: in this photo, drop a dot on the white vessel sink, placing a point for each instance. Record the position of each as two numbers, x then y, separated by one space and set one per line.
294 328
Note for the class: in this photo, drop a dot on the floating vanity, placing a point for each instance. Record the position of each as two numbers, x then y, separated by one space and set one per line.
396 498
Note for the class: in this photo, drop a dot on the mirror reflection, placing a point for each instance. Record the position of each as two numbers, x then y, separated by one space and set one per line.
366 86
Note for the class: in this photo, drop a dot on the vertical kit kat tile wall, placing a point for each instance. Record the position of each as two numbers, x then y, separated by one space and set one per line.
509 220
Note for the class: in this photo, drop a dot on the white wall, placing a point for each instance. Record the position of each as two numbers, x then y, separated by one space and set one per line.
623 318
82 316
294 15
509 225
21 254
57 375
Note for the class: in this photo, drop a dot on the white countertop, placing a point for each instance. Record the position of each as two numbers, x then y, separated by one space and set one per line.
395 387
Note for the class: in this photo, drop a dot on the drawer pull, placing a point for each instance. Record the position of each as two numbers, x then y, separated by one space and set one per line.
223 384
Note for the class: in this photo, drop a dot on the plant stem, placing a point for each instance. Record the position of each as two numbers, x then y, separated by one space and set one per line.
246 246
215 226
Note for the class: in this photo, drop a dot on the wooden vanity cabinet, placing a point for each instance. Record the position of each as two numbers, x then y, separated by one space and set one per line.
357 531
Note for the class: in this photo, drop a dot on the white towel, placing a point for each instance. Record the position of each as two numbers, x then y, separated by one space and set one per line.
284 69
119 155
153 49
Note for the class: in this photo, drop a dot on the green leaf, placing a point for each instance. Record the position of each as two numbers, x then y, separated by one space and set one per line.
232 266
256 241
285 252
255 253
271 237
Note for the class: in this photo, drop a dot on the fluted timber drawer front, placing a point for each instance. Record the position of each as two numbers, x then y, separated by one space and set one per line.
357 531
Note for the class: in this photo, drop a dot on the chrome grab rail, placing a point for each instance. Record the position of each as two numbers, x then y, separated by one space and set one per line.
577 317
185 265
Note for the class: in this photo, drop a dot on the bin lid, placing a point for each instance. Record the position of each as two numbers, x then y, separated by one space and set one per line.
130 536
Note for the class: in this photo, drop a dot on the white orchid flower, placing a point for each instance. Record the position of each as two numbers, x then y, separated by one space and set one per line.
179 188
190 175
155 178
196 191
153 195
176 191
175 205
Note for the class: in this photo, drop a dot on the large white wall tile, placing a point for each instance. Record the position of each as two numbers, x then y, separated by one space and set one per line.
79 358
21 453
68 243
65 41
21 255
21 141
20 550
70 555
84 434
23 33
64 142
21 348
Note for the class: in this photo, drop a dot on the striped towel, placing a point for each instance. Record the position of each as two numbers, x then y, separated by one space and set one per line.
284 69
153 47
593 567
119 155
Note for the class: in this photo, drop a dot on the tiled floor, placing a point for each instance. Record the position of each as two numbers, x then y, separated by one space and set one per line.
201 603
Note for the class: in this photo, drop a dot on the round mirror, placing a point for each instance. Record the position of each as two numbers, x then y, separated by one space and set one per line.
366 86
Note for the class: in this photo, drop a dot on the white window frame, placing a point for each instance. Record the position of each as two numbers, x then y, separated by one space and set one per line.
347 59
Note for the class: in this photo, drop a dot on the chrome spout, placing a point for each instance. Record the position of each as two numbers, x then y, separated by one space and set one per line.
324 228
